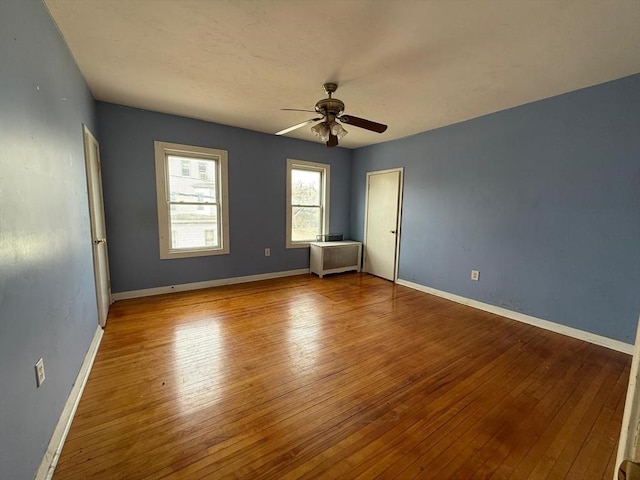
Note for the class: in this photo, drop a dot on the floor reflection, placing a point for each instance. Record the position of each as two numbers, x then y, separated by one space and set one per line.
303 332
198 358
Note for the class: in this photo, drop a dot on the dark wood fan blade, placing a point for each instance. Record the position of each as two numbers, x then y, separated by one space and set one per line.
363 123
333 140
299 125
296 110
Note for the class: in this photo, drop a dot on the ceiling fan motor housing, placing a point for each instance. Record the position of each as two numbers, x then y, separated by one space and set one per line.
330 106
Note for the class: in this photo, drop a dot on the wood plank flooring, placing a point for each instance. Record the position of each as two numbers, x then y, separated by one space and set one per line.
346 377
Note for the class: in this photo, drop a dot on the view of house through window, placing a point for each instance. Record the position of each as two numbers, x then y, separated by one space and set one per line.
306 214
194 204
191 203
307 198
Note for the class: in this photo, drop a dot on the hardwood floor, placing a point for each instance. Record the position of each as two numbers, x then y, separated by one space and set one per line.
344 377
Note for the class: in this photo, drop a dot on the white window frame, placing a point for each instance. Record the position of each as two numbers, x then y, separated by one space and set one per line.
325 170
162 152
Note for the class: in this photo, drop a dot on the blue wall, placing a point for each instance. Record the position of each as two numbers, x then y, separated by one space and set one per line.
543 199
47 296
257 182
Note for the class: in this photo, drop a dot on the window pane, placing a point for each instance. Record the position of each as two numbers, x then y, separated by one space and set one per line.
194 226
186 168
210 238
305 187
305 223
191 189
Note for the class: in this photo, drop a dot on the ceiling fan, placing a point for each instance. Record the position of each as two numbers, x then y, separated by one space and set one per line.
330 110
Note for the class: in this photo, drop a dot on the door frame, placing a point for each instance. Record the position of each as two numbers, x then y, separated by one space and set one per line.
87 137
399 218
628 445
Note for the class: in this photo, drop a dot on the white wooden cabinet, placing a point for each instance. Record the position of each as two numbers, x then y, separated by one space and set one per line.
335 257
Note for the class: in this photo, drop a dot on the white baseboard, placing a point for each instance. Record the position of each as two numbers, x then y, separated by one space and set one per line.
147 292
630 431
521 317
51 456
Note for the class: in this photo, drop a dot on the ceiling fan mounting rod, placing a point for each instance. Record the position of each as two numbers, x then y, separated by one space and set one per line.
330 88
330 106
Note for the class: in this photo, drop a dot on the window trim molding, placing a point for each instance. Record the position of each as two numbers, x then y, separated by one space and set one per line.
325 168
161 150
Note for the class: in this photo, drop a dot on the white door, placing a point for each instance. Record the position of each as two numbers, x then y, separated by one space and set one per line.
629 444
98 230
382 222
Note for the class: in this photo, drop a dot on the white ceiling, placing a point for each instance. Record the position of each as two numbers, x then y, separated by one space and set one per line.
414 65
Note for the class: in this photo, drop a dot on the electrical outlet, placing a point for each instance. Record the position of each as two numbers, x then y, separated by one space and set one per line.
267 252
475 275
40 372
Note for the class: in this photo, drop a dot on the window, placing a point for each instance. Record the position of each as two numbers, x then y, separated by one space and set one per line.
186 168
202 170
193 213
307 202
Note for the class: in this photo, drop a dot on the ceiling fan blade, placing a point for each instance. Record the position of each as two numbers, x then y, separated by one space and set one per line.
299 125
333 140
297 110
363 123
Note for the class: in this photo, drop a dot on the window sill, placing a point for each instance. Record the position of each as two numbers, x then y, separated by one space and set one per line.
298 244
192 253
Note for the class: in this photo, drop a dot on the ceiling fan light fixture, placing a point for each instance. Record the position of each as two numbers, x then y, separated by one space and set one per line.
338 130
321 130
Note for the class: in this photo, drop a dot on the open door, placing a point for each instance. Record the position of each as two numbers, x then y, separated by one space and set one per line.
98 230
628 459
382 223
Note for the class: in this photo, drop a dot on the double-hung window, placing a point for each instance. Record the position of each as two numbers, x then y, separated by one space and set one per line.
307 202
193 211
